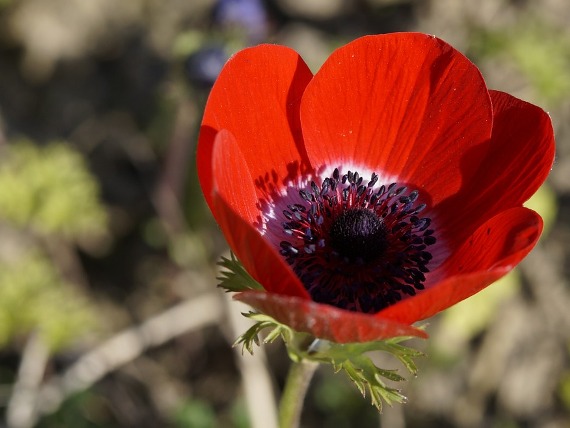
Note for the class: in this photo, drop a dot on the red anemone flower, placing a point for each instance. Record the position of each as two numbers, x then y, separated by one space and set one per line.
376 193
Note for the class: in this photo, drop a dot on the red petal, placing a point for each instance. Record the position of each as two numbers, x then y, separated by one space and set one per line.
324 321
491 252
233 203
233 182
518 158
406 105
256 98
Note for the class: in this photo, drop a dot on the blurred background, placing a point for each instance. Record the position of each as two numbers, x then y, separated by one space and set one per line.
109 314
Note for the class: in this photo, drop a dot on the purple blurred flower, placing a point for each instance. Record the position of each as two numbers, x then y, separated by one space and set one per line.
249 15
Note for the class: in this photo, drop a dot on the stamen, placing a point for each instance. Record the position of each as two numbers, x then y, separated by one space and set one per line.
357 247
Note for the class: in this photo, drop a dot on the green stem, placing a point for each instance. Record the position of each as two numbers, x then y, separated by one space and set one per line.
296 386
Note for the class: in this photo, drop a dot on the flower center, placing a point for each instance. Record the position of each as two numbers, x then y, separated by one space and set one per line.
358 234
355 246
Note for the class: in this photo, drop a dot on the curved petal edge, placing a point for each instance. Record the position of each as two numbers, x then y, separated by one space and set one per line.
324 321
489 254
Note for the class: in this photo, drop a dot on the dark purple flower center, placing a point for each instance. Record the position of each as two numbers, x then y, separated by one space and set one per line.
355 246
358 234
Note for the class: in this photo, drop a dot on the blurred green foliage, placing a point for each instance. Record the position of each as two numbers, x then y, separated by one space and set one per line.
545 61
195 414
463 321
564 389
46 194
34 298
544 202
536 51
340 404
82 410
49 190
239 414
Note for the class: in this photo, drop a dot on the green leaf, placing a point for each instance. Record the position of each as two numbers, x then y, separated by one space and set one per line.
351 358
234 278
251 336
368 377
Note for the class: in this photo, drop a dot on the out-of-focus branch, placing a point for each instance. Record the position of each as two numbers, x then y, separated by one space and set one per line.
125 347
168 192
20 412
256 381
